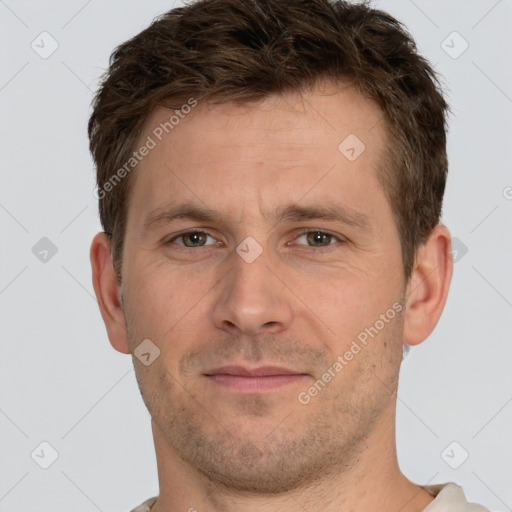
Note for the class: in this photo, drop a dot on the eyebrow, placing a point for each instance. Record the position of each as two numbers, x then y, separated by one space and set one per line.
291 213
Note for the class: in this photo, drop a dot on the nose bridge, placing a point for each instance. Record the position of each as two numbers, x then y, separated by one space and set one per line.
252 298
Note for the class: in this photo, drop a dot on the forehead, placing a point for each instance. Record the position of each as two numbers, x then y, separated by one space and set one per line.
336 107
325 142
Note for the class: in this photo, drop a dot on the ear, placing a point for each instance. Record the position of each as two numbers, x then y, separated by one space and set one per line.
108 293
428 286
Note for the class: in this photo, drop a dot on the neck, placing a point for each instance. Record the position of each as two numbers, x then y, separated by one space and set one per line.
374 482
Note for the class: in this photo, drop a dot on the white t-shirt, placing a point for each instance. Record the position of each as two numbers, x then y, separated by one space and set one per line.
449 497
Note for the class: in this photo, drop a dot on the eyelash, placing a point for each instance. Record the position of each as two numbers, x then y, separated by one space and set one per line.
304 231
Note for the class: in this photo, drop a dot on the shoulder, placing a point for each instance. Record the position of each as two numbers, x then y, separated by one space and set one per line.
146 506
450 497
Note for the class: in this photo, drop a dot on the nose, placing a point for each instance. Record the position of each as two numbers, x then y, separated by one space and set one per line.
252 299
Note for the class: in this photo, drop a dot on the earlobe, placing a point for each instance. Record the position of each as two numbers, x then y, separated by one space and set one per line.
428 286
108 293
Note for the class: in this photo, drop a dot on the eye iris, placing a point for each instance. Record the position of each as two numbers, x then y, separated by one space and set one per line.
318 237
194 238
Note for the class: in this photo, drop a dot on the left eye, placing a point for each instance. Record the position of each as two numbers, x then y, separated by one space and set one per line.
321 238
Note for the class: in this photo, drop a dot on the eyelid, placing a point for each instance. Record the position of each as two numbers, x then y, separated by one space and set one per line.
305 231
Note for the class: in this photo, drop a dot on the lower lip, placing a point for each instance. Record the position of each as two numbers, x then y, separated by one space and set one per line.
256 383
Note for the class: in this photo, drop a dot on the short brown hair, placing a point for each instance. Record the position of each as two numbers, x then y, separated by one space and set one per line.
245 50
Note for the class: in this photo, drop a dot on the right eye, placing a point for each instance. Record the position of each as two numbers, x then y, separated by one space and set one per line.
190 239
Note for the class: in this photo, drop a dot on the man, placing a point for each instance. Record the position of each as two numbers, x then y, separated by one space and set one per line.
270 180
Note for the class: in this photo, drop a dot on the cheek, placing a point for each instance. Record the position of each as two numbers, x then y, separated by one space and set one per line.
165 300
152 282
350 302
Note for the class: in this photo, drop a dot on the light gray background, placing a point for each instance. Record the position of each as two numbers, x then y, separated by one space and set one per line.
61 381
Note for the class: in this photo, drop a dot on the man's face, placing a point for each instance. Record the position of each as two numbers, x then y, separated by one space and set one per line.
216 312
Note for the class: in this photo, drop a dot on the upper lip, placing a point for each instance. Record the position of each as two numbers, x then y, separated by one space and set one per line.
260 371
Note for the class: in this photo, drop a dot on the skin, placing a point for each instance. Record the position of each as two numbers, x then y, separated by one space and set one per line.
299 304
